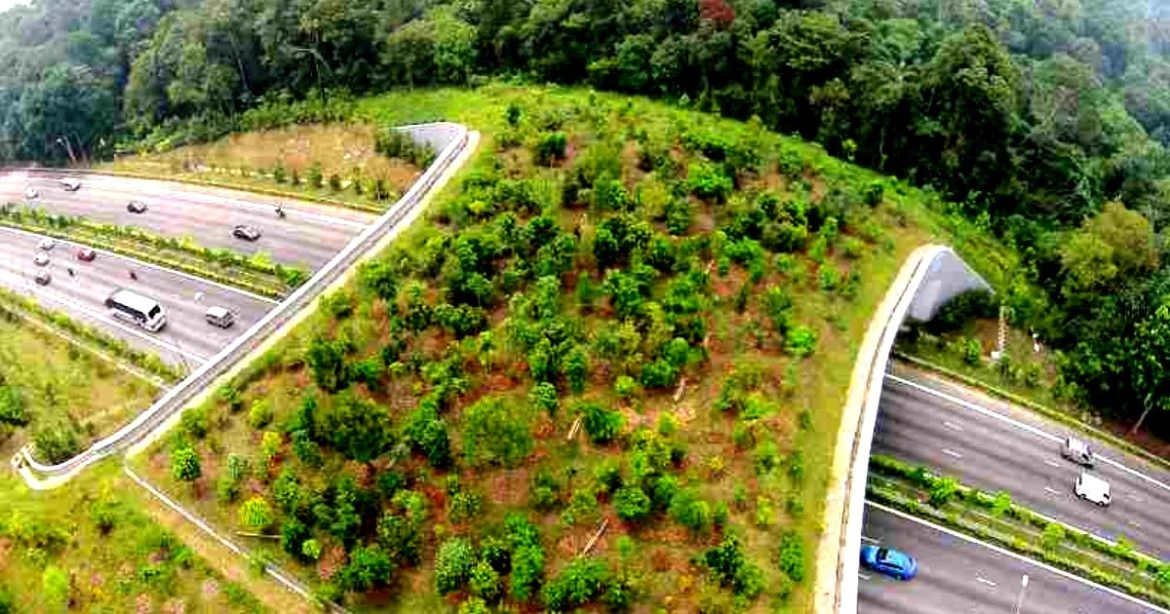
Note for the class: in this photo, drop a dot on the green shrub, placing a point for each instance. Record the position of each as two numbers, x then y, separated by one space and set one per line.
582 581
792 561
1053 535
493 433
454 561
260 415
731 568
709 182
185 464
631 504
971 352
256 514
603 425
942 490
690 510
800 341
485 582
550 148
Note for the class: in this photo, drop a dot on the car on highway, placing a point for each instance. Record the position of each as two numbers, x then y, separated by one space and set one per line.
69 184
86 254
42 259
219 316
43 278
247 233
136 206
1093 489
47 244
890 562
1077 451
31 193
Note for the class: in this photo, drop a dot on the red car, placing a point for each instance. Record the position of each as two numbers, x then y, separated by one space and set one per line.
86 254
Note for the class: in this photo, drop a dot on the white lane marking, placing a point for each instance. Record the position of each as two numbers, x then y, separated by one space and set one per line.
1051 491
1051 463
952 425
983 580
20 284
863 576
870 540
141 264
1020 425
1133 522
1135 498
1019 557
950 452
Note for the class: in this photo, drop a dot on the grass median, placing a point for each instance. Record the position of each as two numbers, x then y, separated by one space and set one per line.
994 518
256 274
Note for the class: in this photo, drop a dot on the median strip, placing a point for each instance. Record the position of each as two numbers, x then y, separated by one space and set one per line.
256 275
995 519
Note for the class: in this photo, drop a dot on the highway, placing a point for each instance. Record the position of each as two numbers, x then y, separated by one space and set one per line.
308 236
994 447
187 340
958 576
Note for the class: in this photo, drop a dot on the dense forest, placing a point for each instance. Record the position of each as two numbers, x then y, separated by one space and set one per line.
1031 115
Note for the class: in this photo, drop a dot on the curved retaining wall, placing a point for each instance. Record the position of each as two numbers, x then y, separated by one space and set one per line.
932 275
449 138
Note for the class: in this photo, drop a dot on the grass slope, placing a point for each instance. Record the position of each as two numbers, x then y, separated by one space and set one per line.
59 384
87 546
717 324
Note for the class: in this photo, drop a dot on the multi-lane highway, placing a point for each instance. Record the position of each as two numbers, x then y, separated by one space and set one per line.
957 575
995 447
187 339
309 235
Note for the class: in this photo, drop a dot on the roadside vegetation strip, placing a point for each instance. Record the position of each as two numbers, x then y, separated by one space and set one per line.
255 274
995 518
1053 414
26 307
245 186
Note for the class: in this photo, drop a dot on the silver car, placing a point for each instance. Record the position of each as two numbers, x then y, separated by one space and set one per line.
1077 451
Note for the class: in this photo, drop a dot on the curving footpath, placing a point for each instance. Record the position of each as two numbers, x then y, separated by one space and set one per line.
941 274
451 139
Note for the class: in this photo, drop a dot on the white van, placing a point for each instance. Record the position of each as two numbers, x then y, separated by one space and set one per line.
218 316
1092 488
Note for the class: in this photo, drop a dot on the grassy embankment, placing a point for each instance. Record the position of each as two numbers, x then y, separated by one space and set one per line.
48 383
331 162
719 401
90 547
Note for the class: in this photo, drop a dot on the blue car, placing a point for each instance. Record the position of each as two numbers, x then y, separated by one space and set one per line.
890 562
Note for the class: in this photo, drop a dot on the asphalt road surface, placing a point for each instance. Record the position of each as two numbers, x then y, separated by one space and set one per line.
995 447
187 338
308 236
957 576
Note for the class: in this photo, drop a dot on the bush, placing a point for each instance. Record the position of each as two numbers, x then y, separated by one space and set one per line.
527 571
495 434
12 407
260 415
602 425
584 580
256 514
485 582
550 148
454 561
800 341
709 182
194 422
185 464
631 503
729 565
691 511
942 490
55 443
369 566
971 352
792 556
1053 535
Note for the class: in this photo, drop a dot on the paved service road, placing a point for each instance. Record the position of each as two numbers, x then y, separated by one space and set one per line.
957 576
995 447
186 340
308 236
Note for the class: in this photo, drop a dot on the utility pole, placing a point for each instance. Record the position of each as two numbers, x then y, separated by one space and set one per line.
1020 600
1001 338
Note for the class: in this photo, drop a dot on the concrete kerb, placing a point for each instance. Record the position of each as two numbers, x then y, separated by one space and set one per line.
144 443
835 589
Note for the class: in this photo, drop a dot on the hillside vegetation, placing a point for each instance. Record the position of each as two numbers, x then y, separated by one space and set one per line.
623 320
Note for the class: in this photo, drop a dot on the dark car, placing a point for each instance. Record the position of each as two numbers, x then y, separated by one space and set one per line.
889 562
136 206
247 233
86 254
